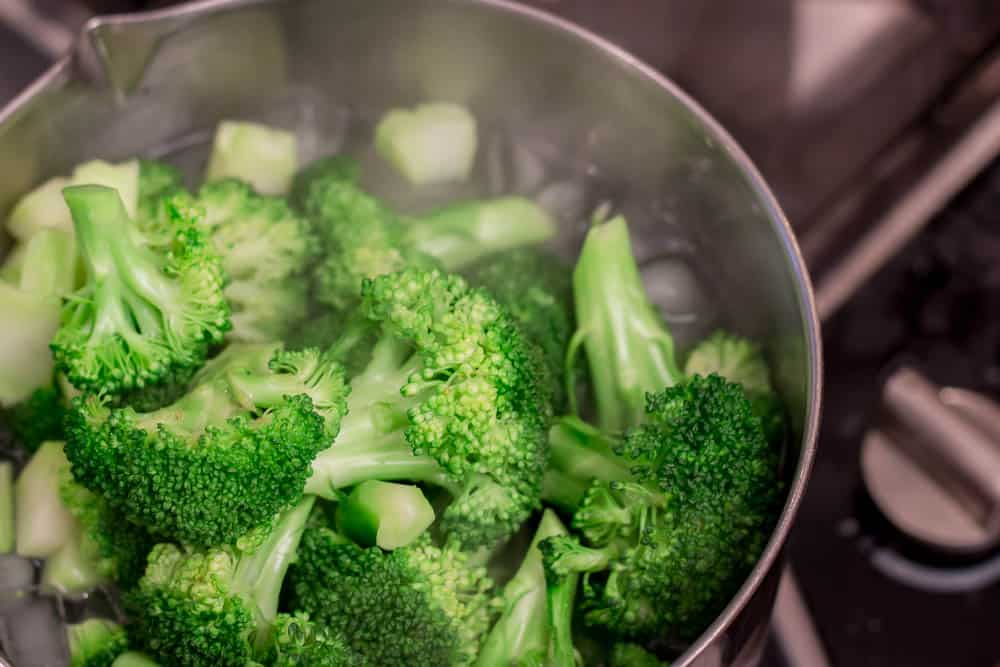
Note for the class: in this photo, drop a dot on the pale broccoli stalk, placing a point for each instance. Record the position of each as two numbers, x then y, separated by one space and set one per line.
31 314
578 455
7 532
629 350
43 524
535 626
265 157
134 659
96 642
384 514
431 144
70 570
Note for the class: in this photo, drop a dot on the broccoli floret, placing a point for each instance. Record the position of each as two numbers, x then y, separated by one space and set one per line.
418 605
298 642
96 642
38 418
215 606
737 359
157 181
629 350
384 514
266 249
535 626
331 168
665 551
632 655
535 287
364 239
152 304
450 397
578 455
222 460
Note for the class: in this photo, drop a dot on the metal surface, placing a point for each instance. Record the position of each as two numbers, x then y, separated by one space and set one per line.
148 84
793 625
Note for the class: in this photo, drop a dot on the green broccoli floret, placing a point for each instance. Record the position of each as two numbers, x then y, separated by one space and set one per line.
450 397
215 606
629 350
419 605
266 249
223 459
298 642
633 655
38 418
331 168
535 626
665 551
152 304
535 287
364 239
157 181
96 642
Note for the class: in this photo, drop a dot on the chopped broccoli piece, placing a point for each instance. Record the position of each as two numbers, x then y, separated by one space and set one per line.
331 168
737 359
31 315
69 570
431 144
417 605
579 454
7 532
134 659
223 459
43 524
535 287
364 239
215 606
265 157
157 182
37 418
463 411
152 304
96 642
533 627
666 551
266 249
42 208
630 351
298 642
632 655
384 514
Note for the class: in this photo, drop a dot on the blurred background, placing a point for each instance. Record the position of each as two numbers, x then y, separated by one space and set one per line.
876 123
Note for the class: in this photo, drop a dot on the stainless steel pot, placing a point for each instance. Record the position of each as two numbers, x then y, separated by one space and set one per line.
156 84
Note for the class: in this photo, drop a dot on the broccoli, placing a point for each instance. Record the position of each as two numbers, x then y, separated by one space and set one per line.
216 606
152 304
331 168
535 288
265 157
417 605
364 239
223 459
300 643
38 418
96 642
384 514
266 249
632 655
629 350
578 454
430 144
134 659
31 309
666 550
42 522
536 622
450 397
157 181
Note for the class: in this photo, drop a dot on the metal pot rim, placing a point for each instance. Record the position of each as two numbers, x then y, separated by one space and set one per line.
780 225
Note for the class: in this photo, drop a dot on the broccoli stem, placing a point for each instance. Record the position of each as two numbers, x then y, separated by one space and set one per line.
578 455
384 514
6 507
629 350
371 443
461 234
70 570
259 574
43 524
563 490
527 624
560 595
96 641
134 659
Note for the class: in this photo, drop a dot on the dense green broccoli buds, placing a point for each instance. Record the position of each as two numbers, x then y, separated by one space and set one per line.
298 642
217 606
463 410
96 642
419 605
152 303
629 350
223 459
266 250
667 550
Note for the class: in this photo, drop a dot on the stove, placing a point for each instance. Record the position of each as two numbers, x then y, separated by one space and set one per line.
859 111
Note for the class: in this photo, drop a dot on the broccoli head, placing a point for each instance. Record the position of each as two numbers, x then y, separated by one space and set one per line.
96 642
417 605
450 397
298 642
327 169
152 304
665 551
632 655
157 182
223 459
38 418
216 606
